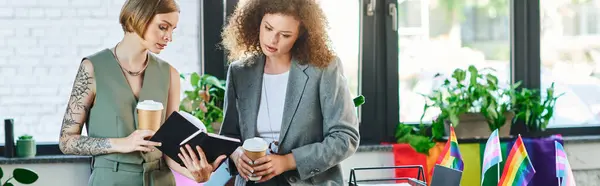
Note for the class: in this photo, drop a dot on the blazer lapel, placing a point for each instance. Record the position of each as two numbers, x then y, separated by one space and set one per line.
253 76
295 89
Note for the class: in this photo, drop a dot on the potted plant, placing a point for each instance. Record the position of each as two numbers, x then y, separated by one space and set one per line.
534 110
473 102
26 146
416 136
21 175
205 101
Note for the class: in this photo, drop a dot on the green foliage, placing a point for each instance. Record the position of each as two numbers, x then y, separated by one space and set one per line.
205 101
477 91
21 175
416 137
25 137
531 108
469 90
359 100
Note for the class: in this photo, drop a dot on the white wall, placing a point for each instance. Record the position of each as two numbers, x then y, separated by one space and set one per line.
42 43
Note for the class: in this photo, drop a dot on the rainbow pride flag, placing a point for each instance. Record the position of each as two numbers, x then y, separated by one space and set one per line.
518 169
450 156
563 168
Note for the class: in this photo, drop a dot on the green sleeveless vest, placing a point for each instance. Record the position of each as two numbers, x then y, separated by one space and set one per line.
113 114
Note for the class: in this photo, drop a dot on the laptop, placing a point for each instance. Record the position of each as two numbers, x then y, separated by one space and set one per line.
444 176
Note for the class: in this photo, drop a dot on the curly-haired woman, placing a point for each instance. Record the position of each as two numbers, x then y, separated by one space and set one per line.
287 87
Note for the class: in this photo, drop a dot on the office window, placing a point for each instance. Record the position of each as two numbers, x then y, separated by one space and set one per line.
570 57
343 17
42 44
438 36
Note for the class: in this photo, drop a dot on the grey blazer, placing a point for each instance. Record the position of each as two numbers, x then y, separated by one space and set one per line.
320 126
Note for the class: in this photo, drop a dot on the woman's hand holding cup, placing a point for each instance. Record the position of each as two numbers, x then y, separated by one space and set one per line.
242 163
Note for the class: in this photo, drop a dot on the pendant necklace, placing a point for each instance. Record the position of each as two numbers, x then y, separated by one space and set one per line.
275 142
130 72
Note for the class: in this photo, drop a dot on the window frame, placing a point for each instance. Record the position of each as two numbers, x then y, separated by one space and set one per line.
526 63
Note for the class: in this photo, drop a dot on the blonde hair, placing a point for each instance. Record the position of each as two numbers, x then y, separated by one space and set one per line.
136 14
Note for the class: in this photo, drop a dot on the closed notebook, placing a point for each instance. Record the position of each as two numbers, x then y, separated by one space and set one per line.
178 131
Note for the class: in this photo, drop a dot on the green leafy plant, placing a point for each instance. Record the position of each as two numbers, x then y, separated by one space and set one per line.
21 175
26 137
26 146
205 101
533 109
469 91
415 136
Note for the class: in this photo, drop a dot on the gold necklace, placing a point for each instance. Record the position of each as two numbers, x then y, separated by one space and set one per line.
129 72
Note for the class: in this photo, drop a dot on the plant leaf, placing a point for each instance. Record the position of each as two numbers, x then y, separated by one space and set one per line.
9 184
194 78
454 120
459 75
1 173
25 176
192 95
358 101
212 80
474 75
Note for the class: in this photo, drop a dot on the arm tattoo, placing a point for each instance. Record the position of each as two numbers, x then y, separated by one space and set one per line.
77 110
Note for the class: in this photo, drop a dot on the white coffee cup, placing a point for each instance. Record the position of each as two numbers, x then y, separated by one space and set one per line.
255 148
149 114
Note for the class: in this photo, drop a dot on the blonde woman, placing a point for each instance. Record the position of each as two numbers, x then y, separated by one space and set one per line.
106 90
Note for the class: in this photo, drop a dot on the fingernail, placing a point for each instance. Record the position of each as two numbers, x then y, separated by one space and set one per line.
250 163
159 144
251 171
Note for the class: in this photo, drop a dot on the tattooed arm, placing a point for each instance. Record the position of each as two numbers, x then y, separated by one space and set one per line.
82 97
78 107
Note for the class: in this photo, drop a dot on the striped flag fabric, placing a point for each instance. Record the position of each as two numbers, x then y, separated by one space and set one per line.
563 168
492 154
518 170
450 156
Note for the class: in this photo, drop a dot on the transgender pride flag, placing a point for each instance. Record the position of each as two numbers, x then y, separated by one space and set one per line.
563 169
492 154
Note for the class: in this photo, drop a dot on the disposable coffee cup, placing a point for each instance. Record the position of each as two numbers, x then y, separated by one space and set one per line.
149 115
255 148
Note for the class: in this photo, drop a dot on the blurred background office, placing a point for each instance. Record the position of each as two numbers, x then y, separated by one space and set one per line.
390 55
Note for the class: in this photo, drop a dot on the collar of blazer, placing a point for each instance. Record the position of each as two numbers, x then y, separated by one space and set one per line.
250 80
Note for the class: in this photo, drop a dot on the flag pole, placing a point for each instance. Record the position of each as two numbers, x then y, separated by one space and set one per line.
558 180
499 172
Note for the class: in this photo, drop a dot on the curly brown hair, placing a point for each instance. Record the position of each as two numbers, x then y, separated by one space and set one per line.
241 35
